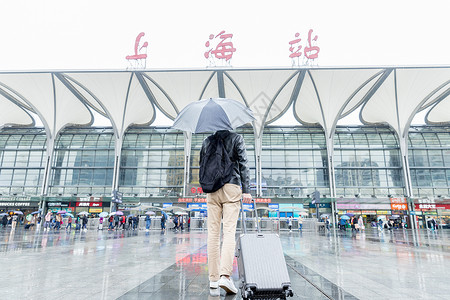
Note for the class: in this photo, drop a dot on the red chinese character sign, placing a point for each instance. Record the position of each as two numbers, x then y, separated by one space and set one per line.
139 59
398 204
310 51
220 48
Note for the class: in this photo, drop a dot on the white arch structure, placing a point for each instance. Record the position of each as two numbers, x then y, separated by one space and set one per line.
385 95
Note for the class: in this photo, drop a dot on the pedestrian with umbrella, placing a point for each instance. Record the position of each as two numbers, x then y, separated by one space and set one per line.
84 219
164 218
111 222
69 222
343 222
47 220
148 222
58 221
223 170
15 219
4 219
100 223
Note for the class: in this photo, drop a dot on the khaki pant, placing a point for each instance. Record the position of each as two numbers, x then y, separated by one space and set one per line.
223 205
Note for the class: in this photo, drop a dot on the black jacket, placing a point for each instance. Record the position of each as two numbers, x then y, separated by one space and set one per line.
235 145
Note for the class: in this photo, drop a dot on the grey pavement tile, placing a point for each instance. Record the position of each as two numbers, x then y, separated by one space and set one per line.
114 265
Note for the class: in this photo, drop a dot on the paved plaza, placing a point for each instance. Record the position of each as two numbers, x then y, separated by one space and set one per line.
172 265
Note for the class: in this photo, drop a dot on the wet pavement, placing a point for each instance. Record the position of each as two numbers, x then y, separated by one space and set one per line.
169 265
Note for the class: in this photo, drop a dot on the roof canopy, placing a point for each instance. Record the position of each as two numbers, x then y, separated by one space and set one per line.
392 95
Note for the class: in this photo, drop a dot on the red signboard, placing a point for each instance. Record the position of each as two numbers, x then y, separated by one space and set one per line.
192 200
263 200
399 204
196 190
430 206
89 204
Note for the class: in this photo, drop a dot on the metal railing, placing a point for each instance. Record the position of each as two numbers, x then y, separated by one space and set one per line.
200 223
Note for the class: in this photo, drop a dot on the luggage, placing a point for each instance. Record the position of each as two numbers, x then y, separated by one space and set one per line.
262 268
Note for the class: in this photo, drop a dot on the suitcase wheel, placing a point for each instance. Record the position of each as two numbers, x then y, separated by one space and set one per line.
288 293
247 294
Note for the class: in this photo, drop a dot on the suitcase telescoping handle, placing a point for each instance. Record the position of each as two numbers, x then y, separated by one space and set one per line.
243 226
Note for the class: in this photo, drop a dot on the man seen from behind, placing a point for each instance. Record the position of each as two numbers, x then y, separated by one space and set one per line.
224 206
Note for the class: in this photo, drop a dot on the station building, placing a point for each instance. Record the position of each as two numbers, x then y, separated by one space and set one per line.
394 164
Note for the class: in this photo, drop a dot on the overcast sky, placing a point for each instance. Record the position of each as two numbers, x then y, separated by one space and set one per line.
93 34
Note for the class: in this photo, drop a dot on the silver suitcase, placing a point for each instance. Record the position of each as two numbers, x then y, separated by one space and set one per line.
262 268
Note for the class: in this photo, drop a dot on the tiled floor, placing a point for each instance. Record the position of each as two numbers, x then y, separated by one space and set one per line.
155 265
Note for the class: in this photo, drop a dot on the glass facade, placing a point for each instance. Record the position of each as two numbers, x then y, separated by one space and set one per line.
22 161
429 160
294 162
83 162
367 161
152 162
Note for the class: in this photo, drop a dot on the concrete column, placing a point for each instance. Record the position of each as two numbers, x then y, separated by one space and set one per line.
333 211
405 166
187 160
117 159
331 176
258 165
48 164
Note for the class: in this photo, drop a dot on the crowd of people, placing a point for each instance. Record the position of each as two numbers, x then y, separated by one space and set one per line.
354 222
12 219
55 222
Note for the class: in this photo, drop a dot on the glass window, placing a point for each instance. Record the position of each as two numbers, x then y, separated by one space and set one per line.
293 160
22 157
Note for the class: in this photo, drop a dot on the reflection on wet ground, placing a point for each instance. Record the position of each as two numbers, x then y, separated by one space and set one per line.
168 265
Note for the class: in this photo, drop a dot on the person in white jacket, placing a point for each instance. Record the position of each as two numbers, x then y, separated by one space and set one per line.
361 224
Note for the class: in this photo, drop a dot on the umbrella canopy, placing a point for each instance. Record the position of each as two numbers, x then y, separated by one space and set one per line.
103 214
151 213
35 212
213 114
265 208
292 208
18 212
145 207
303 213
61 212
350 214
68 215
83 213
181 213
3 214
119 213
345 217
